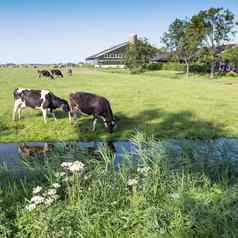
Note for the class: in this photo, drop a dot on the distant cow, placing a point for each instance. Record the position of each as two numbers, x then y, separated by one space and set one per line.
43 100
91 104
70 72
57 72
44 73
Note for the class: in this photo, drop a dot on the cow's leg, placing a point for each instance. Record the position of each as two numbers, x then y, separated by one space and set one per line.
19 113
94 123
104 121
17 104
53 114
70 117
44 112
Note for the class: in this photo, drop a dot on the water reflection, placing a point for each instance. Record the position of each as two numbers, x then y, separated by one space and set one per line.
11 154
26 150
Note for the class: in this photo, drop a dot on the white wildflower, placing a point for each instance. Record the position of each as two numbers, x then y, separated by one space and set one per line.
37 199
143 170
76 166
174 196
55 197
51 192
37 189
132 182
31 206
66 165
61 174
49 201
56 185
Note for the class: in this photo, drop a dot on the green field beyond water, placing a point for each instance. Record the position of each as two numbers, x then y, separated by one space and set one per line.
165 104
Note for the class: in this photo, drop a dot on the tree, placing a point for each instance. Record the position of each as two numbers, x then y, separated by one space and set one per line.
182 39
217 26
231 55
138 54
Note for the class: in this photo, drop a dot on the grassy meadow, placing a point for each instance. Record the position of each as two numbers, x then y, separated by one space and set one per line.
163 103
72 193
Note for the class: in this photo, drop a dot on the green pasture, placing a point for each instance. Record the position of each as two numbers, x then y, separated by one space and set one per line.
163 103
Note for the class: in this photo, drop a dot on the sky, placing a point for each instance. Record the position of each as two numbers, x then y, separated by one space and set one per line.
71 30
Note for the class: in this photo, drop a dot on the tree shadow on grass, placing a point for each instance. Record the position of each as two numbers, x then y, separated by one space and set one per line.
5 129
171 125
156 122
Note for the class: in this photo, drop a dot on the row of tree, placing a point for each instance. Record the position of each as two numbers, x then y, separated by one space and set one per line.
206 31
209 29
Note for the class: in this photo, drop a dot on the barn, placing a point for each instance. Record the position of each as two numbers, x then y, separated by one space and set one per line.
111 57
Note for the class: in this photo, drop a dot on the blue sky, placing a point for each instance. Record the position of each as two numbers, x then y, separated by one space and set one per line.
61 31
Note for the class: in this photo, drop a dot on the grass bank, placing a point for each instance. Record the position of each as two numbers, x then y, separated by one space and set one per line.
164 103
162 196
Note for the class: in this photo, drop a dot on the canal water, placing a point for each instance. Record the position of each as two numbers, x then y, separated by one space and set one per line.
11 153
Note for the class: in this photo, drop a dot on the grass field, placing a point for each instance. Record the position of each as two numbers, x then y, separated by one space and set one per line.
162 103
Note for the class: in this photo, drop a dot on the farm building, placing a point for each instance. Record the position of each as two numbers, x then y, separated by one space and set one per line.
111 57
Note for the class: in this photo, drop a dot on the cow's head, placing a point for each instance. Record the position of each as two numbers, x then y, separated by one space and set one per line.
65 106
110 125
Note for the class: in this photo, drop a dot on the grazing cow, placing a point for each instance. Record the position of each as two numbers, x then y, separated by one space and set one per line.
70 72
91 104
43 100
57 72
44 73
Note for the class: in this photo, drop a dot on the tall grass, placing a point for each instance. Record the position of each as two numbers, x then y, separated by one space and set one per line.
154 196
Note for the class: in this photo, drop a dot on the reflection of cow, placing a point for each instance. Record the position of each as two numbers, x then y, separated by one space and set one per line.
34 151
92 151
44 73
91 104
56 73
43 100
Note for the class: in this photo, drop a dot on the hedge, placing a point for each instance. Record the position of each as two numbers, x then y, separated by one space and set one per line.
194 68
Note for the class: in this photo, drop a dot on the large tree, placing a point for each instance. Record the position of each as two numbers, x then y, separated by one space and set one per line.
217 27
183 39
138 54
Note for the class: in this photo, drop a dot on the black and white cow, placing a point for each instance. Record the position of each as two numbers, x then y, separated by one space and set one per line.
44 73
43 100
91 104
56 73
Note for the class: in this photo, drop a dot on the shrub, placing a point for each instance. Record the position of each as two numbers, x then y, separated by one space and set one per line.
231 74
194 68
200 68
154 66
173 66
166 66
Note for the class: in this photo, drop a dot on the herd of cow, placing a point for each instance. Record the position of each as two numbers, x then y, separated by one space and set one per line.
53 73
79 102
